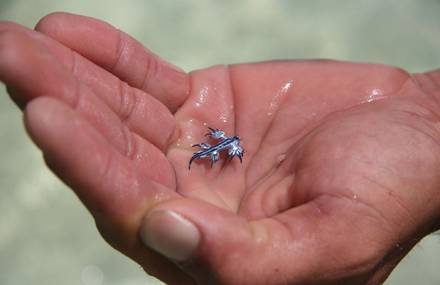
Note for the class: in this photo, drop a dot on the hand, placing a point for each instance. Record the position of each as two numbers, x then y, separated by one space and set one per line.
338 182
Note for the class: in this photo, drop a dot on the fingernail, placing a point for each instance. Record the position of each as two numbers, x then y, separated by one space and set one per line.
170 234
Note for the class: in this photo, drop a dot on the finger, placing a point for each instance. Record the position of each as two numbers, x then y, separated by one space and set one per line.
435 76
430 83
196 235
286 249
30 71
132 106
81 156
120 54
112 189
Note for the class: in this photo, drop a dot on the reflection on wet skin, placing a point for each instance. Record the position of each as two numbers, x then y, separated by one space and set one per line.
278 98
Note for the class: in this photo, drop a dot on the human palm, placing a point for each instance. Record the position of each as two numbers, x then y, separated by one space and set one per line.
338 182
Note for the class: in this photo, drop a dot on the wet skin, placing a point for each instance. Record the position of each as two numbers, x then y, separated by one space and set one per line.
339 181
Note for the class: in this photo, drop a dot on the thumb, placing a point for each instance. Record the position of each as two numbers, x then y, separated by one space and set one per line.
203 239
216 246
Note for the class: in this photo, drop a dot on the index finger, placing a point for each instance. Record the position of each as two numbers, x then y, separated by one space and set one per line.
120 54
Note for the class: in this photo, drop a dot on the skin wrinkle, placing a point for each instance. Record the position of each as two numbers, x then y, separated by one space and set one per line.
282 206
369 263
234 114
151 69
234 127
120 46
73 62
77 96
151 64
225 205
267 194
433 79
390 193
130 142
77 105
187 92
232 92
123 101
285 226
128 98
128 101
103 174
267 131
422 132
262 207
261 181
175 135
425 106
379 216
119 193
170 139
270 171
422 117
417 80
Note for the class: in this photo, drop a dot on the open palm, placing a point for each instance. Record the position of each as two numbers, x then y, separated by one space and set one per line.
338 182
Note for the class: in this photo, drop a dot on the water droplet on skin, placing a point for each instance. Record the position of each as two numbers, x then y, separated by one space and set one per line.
186 133
375 94
179 142
201 99
277 98
160 196
223 118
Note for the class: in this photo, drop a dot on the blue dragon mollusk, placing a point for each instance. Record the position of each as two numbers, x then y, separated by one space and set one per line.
224 143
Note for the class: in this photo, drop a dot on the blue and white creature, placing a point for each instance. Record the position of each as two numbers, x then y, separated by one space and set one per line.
231 144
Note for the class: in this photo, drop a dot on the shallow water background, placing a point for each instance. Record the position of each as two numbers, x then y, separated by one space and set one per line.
47 237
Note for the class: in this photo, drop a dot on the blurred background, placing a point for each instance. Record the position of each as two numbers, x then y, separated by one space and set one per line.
47 237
